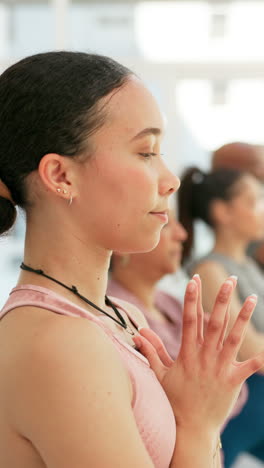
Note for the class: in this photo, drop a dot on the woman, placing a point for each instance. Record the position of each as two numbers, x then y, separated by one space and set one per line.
232 203
80 153
247 158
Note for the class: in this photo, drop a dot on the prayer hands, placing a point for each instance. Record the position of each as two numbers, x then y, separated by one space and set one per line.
204 382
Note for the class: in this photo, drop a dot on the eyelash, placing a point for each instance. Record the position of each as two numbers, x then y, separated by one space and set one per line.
148 155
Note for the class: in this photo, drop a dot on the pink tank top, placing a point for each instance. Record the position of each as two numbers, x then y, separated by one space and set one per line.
151 408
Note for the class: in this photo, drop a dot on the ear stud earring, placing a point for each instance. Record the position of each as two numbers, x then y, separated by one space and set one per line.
59 190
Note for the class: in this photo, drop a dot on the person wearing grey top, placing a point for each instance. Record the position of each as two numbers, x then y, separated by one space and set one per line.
250 279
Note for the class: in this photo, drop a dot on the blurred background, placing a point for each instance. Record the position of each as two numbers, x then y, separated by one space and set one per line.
203 60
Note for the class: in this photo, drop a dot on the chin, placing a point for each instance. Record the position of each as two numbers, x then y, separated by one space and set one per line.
256 237
172 269
142 246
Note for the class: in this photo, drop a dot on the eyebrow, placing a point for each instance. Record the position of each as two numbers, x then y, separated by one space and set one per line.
147 131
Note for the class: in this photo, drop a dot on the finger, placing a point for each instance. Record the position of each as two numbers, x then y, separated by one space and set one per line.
189 330
158 344
224 330
245 369
227 316
236 335
200 311
148 350
217 322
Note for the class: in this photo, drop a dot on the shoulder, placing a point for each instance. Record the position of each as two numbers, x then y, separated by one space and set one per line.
71 338
56 348
210 268
70 388
132 311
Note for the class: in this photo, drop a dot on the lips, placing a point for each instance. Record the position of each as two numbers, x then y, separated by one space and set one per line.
162 215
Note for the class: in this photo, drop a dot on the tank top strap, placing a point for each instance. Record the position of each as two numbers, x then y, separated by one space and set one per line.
37 296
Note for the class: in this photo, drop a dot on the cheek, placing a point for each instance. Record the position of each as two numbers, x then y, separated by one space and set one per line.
250 221
256 216
128 182
144 180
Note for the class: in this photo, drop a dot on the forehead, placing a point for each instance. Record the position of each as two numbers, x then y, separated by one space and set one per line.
132 111
248 184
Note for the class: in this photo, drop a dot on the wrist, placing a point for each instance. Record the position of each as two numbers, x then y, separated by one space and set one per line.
200 440
199 429
197 447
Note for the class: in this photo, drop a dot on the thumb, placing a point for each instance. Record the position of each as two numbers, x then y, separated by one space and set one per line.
150 353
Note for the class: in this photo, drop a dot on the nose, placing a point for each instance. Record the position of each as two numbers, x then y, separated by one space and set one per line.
169 183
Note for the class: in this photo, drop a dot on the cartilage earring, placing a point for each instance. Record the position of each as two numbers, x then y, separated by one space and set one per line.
58 189
64 191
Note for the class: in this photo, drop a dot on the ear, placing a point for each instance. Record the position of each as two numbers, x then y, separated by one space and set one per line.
220 212
56 172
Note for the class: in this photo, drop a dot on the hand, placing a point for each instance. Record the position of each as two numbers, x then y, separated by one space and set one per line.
205 380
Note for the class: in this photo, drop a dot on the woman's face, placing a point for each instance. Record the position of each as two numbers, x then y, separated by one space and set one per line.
123 188
246 210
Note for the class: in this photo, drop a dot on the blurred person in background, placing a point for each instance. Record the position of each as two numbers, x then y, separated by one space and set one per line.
247 158
134 278
241 156
231 202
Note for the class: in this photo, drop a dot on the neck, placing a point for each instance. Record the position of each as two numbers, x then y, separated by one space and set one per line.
137 283
68 259
231 245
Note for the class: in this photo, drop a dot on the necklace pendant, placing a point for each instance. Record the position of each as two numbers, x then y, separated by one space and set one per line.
129 330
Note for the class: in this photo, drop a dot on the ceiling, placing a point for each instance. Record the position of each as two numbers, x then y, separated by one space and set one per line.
96 2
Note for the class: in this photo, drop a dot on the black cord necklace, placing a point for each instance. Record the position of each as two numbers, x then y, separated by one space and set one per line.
73 289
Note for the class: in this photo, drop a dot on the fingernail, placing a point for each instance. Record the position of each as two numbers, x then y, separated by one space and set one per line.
196 275
251 302
226 286
140 328
254 296
234 277
191 286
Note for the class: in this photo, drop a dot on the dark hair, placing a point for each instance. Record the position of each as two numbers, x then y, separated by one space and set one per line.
49 103
196 193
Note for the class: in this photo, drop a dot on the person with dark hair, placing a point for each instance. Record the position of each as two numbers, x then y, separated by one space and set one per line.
231 202
241 156
249 158
80 154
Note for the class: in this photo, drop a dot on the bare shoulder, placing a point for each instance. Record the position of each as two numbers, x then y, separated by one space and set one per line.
69 387
69 339
211 269
57 349
133 311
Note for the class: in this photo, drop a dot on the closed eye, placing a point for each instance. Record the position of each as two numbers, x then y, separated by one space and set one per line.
148 155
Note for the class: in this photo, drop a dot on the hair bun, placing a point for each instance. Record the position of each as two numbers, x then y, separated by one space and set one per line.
8 214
